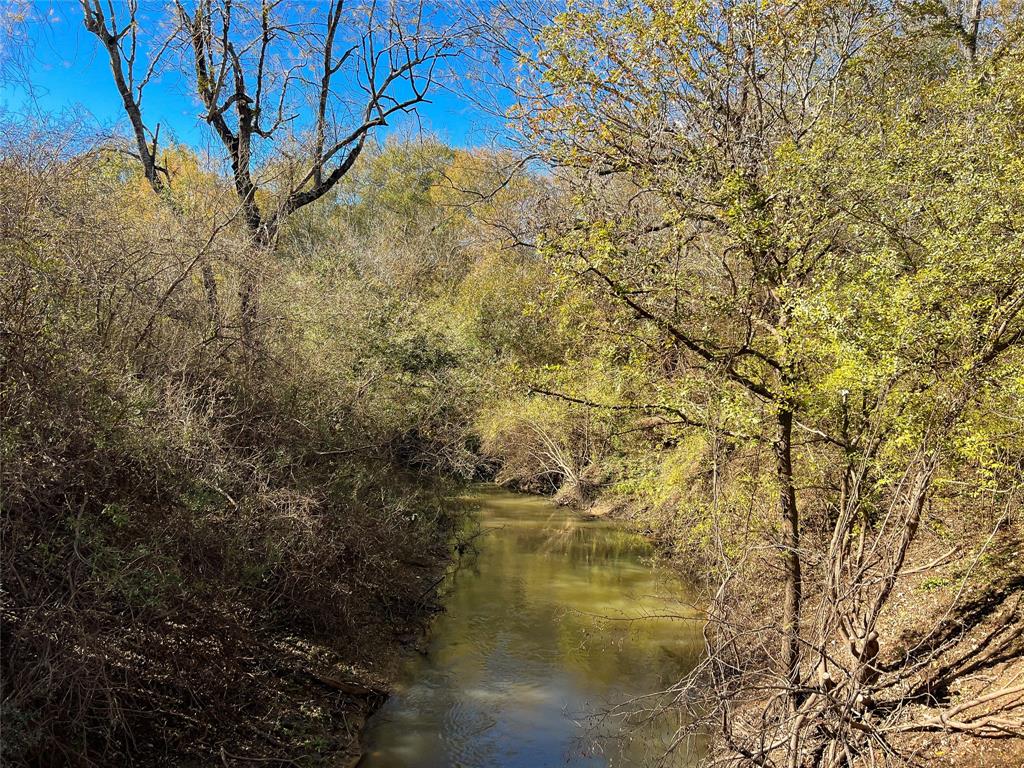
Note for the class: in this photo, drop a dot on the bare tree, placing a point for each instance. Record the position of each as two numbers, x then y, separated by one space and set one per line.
291 93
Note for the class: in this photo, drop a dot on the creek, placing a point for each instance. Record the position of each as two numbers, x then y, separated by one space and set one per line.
555 637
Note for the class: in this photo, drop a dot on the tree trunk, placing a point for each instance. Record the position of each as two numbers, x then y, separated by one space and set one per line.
212 302
790 541
973 26
249 302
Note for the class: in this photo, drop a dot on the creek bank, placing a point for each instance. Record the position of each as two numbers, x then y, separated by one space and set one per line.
975 606
233 661
311 698
327 694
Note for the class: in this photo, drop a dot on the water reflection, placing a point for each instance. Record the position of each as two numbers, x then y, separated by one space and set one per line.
554 624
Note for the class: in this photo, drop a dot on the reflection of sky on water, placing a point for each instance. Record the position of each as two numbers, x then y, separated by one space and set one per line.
533 642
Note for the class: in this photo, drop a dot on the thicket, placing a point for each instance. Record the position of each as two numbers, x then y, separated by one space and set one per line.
183 522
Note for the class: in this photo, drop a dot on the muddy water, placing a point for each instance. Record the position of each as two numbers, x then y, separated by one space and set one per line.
549 631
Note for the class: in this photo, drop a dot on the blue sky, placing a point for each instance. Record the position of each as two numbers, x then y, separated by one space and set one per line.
69 70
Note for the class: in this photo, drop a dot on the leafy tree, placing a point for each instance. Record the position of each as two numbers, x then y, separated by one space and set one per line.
803 220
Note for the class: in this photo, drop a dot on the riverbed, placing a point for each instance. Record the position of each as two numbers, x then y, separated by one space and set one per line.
556 634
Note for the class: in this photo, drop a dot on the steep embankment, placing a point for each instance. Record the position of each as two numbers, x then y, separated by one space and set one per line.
211 546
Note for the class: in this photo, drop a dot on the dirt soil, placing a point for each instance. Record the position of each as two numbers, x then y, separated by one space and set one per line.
980 599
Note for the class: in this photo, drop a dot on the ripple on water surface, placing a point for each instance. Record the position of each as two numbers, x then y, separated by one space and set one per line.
544 632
